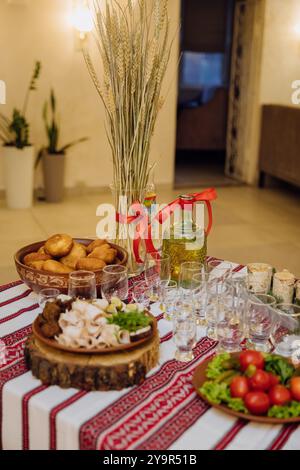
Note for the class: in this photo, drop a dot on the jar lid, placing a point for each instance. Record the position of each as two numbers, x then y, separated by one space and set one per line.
187 198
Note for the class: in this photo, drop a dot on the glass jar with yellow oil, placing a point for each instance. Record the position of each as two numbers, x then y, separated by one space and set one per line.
185 240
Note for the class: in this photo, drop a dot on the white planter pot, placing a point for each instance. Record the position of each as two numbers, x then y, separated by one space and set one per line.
18 176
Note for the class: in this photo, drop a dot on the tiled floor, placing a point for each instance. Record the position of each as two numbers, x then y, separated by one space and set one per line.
249 225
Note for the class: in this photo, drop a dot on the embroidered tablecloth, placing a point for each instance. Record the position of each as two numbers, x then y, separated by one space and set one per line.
162 413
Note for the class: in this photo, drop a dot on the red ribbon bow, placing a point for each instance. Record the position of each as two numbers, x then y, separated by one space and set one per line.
143 228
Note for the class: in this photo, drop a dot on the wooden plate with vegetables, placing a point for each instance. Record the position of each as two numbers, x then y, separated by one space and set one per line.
251 385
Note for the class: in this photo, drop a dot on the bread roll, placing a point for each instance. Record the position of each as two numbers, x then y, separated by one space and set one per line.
105 253
95 244
90 264
42 250
78 251
59 245
36 265
56 267
35 257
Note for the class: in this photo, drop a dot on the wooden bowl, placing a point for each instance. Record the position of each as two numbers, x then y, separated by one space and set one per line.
121 347
37 279
200 377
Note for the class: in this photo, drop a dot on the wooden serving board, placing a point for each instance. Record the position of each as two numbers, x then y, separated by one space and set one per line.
113 371
200 377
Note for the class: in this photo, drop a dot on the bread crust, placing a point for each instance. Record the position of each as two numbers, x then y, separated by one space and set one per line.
95 244
59 245
35 256
56 267
90 264
77 252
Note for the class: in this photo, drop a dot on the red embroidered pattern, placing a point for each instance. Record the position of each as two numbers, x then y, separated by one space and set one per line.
94 427
171 430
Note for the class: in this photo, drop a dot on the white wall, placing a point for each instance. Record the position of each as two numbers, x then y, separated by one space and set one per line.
276 64
42 30
281 51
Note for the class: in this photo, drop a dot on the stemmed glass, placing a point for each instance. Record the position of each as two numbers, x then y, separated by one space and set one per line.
82 284
260 318
184 334
47 295
114 282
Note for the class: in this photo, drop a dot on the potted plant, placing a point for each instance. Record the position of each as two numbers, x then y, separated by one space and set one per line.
52 155
18 153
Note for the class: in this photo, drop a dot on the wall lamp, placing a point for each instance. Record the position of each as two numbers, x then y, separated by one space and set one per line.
82 19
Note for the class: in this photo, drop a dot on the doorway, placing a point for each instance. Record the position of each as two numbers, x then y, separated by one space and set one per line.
204 83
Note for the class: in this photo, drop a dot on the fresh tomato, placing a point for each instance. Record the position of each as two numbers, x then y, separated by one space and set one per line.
239 387
295 388
279 395
251 357
257 403
260 380
274 379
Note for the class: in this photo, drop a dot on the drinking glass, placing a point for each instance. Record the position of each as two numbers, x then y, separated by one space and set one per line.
239 283
200 297
82 284
114 282
286 333
169 299
260 316
47 295
220 270
219 294
184 335
188 270
230 324
142 294
157 268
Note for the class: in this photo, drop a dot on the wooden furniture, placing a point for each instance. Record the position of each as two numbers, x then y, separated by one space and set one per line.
280 144
204 127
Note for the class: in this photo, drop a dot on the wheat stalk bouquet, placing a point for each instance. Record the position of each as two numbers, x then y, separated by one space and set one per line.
134 47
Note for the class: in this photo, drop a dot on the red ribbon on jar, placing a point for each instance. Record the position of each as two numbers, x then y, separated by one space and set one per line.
144 229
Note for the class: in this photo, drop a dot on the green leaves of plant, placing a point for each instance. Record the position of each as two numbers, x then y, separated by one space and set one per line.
35 75
53 101
53 131
15 132
20 127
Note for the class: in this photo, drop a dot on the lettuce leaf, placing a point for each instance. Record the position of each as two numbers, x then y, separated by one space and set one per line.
278 365
218 393
287 411
215 367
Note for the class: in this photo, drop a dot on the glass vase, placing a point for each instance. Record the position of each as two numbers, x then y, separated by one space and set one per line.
125 229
